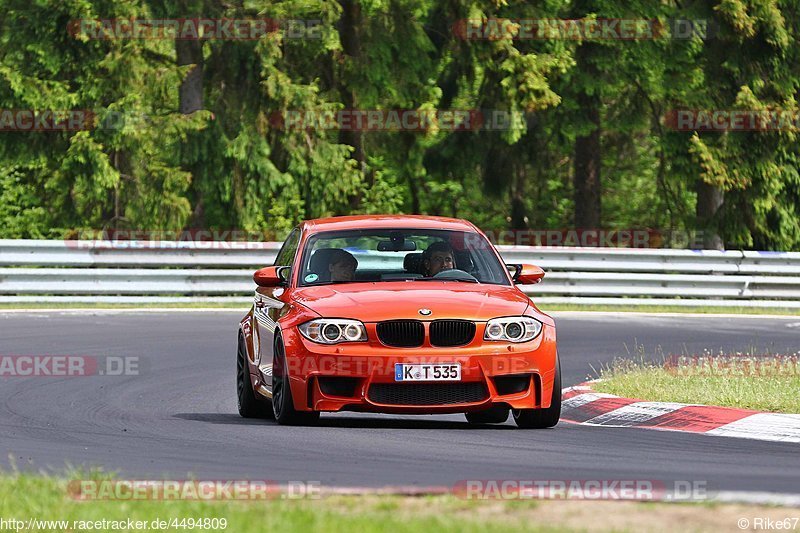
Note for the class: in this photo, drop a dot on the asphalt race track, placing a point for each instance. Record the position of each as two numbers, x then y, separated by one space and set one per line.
178 417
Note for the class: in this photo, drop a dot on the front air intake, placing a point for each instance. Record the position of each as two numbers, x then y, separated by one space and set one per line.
427 393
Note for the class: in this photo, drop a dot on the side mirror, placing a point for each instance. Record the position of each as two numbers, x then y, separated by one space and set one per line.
526 274
271 276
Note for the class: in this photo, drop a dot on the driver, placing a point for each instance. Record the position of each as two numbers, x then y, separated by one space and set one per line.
437 257
342 266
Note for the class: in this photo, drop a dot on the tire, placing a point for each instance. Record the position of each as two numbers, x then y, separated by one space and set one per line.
249 405
542 418
282 402
494 415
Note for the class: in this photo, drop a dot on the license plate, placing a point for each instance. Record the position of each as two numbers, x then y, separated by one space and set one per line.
427 372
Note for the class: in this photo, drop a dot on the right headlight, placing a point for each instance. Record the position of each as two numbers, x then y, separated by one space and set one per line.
334 330
512 329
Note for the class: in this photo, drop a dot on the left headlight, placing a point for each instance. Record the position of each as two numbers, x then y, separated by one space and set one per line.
334 330
512 329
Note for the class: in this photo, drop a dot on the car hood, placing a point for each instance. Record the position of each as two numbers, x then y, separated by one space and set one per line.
374 302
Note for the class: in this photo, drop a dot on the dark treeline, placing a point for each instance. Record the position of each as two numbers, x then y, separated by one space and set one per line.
194 133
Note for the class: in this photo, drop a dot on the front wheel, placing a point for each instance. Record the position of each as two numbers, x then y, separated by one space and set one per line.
282 402
542 418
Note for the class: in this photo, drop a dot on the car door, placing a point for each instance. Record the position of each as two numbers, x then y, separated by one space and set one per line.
267 306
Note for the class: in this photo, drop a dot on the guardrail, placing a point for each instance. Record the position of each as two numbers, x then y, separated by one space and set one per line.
72 271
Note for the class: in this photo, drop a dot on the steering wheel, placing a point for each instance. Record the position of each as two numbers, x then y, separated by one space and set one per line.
454 273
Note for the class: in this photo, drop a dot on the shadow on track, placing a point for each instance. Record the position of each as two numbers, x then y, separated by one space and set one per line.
224 418
334 421
379 422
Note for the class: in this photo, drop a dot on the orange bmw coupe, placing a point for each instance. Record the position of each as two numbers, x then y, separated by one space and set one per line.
396 314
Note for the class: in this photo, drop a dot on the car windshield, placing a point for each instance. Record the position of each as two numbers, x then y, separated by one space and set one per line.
400 255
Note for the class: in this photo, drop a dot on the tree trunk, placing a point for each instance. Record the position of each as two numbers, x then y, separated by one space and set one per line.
519 216
191 90
588 149
709 200
349 33
190 95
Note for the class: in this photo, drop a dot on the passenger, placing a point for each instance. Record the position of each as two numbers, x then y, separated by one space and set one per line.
342 266
437 257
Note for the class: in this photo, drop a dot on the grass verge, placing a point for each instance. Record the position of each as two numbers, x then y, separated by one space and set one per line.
763 383
26 496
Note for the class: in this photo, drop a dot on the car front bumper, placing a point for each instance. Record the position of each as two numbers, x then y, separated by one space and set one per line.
361 376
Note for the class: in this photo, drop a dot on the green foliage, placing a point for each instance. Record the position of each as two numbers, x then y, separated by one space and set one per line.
144 165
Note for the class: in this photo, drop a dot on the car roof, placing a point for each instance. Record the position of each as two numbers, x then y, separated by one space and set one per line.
386 221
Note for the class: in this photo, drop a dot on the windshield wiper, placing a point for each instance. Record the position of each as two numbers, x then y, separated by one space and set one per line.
334 283
466 280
